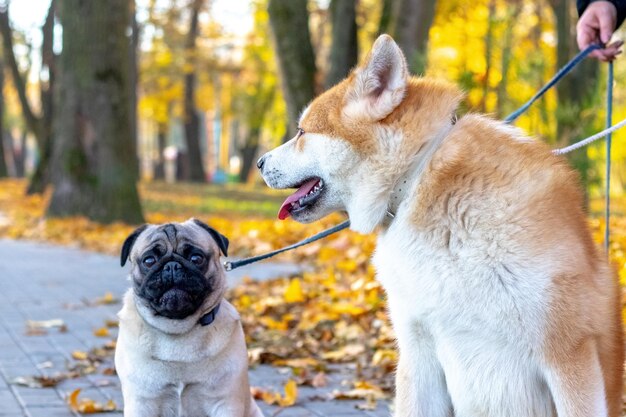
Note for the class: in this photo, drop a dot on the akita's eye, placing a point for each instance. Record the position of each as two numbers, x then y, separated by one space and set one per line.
299 133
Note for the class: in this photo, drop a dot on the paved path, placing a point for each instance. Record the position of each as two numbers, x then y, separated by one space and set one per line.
43 282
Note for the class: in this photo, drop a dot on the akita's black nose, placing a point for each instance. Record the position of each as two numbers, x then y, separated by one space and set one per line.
261 162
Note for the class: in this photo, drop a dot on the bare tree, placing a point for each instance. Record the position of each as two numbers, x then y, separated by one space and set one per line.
192 120
40 125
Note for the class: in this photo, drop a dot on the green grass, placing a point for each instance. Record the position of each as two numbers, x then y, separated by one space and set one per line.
228 199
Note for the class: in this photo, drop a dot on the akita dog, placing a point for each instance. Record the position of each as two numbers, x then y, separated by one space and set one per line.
501 303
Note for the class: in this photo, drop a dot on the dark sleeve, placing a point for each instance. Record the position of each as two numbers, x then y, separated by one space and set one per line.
620 5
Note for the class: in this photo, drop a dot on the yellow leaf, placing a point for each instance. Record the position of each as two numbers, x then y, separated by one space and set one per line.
73 399
296 363
101 332
270 397
345 353
291 394
384 355
79 356
88 406
347 265
347 307
293 293
108 299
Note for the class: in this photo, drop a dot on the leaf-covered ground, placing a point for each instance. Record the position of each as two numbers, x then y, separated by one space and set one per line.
334 313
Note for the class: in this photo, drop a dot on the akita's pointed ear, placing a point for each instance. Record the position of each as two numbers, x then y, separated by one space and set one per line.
379 84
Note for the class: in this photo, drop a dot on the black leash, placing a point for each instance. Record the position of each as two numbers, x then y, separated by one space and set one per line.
230 265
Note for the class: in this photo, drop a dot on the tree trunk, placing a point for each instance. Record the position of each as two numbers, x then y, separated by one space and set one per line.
576 91
159 167
40 178
410 25
40 126
134 81
385 17
488 52
344 50
32 121
296 60
93 161
18 154
192 120
248 153
4 172
502 95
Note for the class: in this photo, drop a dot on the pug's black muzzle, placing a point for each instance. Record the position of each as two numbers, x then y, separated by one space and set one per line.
174 287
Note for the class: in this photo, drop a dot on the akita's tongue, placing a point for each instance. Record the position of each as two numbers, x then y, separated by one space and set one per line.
285 209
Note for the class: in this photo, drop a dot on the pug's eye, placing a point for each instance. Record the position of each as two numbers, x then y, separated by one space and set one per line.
149 261
197 259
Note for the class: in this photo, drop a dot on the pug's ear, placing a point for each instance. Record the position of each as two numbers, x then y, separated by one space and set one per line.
129 242
221 240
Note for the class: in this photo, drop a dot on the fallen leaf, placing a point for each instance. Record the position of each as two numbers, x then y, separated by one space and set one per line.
297 362
112 323
347 352
37 381
101 332
369 405
39 327
89 406
80 355
108 298
291 394
293 293
269 397
45 324
362 390
319 380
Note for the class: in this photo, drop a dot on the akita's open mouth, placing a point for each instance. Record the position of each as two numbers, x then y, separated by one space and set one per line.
307 194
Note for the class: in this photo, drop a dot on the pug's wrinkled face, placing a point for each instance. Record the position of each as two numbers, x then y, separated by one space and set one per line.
175 266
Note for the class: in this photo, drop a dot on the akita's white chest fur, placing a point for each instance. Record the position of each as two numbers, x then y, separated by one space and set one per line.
455 312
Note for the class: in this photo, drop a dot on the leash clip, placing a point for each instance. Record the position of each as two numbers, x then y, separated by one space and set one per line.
228 266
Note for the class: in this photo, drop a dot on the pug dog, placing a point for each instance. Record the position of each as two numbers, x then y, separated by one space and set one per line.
181 349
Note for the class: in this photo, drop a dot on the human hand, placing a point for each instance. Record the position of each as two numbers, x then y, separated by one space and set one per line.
596 25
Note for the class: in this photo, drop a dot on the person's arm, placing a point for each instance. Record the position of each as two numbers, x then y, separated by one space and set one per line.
597 22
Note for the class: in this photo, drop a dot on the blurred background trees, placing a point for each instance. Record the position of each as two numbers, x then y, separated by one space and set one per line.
197 89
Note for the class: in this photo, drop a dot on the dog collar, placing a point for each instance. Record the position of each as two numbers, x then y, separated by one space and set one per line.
209 317
406 181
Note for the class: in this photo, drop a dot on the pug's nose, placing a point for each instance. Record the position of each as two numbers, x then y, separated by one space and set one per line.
261 162
173 270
